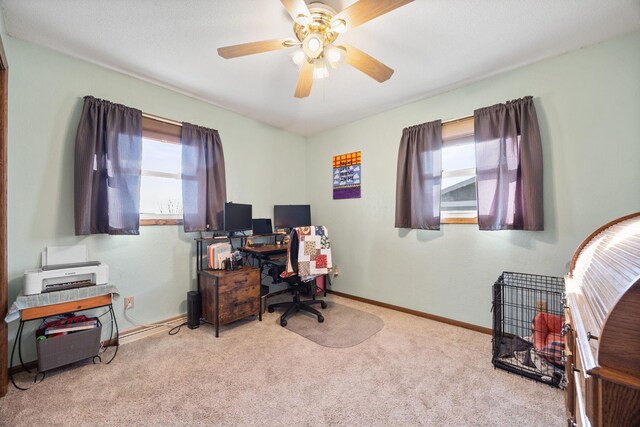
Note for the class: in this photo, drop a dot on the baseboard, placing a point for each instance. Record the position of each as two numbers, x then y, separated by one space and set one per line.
138 332
429 316
32 366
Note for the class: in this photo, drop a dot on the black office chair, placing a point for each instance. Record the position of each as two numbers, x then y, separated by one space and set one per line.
297 284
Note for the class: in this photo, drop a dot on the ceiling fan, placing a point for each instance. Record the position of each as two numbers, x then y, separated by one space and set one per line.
317 27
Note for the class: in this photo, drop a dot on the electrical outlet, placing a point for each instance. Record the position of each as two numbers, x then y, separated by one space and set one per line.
336 271
128 303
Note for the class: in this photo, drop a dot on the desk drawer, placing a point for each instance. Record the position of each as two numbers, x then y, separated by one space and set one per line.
239 296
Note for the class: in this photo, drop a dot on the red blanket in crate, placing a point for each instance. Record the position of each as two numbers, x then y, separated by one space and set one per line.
547 337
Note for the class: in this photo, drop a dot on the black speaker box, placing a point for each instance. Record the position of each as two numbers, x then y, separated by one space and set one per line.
193 309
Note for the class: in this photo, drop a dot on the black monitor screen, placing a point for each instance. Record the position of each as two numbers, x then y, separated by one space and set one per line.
237 217
287 216
262 226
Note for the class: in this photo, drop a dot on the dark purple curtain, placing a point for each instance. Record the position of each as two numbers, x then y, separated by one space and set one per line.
419 177
509 166
107 168
204 189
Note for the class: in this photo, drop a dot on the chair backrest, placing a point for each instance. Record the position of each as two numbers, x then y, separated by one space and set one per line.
309 252
292 250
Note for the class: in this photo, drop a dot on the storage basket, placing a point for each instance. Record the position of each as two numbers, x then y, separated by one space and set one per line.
64 349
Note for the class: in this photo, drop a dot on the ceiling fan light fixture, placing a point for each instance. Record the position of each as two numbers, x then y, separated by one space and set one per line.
298 57
316 27
334 54
339 25
320 70
312 45
303 20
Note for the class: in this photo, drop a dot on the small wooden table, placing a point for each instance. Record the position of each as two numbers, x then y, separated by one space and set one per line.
228 296
41 312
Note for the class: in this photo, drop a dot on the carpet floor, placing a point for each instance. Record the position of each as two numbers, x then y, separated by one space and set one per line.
412 372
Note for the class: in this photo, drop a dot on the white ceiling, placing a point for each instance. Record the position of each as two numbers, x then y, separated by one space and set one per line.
433 46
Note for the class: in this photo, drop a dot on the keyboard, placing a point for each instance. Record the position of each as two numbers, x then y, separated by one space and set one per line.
256 245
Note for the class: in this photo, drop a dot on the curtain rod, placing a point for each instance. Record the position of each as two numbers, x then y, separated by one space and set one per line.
456 119
161 119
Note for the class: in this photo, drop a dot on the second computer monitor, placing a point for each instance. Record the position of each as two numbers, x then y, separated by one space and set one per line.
288 216
237 217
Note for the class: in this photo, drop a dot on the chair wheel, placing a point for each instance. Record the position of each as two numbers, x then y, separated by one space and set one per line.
320 319
283 323
270 309
323 304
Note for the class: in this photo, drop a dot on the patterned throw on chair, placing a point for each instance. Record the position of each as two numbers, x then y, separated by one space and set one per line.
314 253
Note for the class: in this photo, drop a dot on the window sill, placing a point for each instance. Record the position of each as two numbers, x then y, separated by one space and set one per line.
459 221
161 222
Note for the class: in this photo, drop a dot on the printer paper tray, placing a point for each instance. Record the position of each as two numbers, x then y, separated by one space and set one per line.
68 285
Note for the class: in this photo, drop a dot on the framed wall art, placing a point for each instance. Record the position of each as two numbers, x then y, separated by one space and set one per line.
347 176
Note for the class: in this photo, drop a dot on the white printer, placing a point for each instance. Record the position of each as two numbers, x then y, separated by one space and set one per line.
64 267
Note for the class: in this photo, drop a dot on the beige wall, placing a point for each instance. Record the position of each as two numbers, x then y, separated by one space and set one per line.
157 267
588 104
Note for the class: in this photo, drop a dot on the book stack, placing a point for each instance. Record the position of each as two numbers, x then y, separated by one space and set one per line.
80 326
66 326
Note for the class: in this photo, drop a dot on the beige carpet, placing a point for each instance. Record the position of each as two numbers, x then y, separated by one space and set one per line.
413 372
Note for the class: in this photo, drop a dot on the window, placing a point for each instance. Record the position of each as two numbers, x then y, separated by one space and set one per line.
161 183
458 192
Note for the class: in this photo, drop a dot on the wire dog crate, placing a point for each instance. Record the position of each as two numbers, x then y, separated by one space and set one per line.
527 326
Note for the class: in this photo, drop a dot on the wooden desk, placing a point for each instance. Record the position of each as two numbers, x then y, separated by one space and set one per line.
228 296
203 242
265 250
265 235
262 254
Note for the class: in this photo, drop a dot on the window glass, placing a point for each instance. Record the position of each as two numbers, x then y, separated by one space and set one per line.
161 180
459 154
160 196
161 156
458 191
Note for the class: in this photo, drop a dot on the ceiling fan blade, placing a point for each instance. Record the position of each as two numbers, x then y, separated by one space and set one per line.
303 89
234 51
365 10
295 8
367 64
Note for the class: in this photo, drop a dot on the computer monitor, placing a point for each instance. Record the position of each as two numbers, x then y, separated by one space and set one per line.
262 226
288 216
237 217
